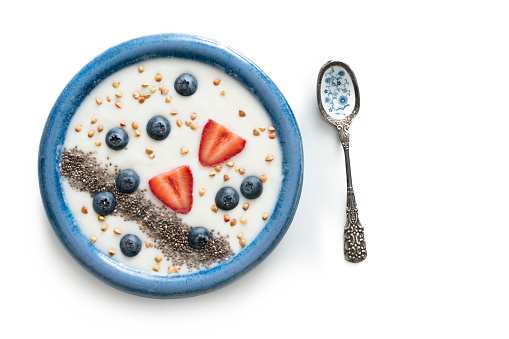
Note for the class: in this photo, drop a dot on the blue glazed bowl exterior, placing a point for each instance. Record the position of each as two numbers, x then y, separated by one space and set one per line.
180 46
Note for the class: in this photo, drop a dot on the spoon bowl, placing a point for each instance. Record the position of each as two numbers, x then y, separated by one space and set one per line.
338 93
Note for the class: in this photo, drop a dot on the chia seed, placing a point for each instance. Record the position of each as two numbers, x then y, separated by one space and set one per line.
169 233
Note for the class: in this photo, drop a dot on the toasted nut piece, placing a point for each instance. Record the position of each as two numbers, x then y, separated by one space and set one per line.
146 95
137 133
153 89
272 135
226 218
158 259
148 244
167 100
160 87
229 163
262 129
233 222
141 69
104 227
193 116
91 133
271 128
117 231
149 150
218 168
77 128
98 101
216 82
240 235
108 99
116 84
141 99
263 178
158 77
156 267
265 216
237 169
112 252
101 218
136 95
118 104
256 132
243 220
135 125
179 123
269 158
98 142
194 126
184 150
166 91
93 239
201 192
152 156
188 123
100 128
245 207
174 112
123 124
242 242
212 174
214 209
222 93
226 177
171 270
144 85
84 210
93 121
242 171
118 94
242 113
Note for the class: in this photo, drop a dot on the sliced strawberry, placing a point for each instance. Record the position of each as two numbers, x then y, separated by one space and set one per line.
218 144
174 189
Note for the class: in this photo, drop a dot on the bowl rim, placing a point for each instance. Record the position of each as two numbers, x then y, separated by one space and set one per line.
143 283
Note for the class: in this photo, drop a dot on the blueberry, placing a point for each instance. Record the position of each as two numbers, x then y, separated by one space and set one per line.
227 198
158 128
117 138
127 181
104 203
130 245
186 84
198 237
251 187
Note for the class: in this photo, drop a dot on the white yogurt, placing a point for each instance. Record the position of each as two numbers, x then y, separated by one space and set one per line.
221 103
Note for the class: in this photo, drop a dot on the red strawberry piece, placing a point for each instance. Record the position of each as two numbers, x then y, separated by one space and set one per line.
218 144
174 189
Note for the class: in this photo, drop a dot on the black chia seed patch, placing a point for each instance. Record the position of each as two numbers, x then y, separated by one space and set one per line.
169 233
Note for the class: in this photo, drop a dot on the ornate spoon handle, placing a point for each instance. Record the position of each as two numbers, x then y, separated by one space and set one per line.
355 245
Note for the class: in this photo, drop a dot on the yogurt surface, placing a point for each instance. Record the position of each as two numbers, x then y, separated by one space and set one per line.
219 97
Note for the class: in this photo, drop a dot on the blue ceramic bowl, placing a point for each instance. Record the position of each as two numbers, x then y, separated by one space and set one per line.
130 52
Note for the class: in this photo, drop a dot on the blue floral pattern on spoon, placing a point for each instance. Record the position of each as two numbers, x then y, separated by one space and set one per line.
338 95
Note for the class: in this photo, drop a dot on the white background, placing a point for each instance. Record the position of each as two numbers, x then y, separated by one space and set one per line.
429 162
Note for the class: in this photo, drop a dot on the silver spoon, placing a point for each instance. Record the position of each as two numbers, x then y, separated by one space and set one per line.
338 99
